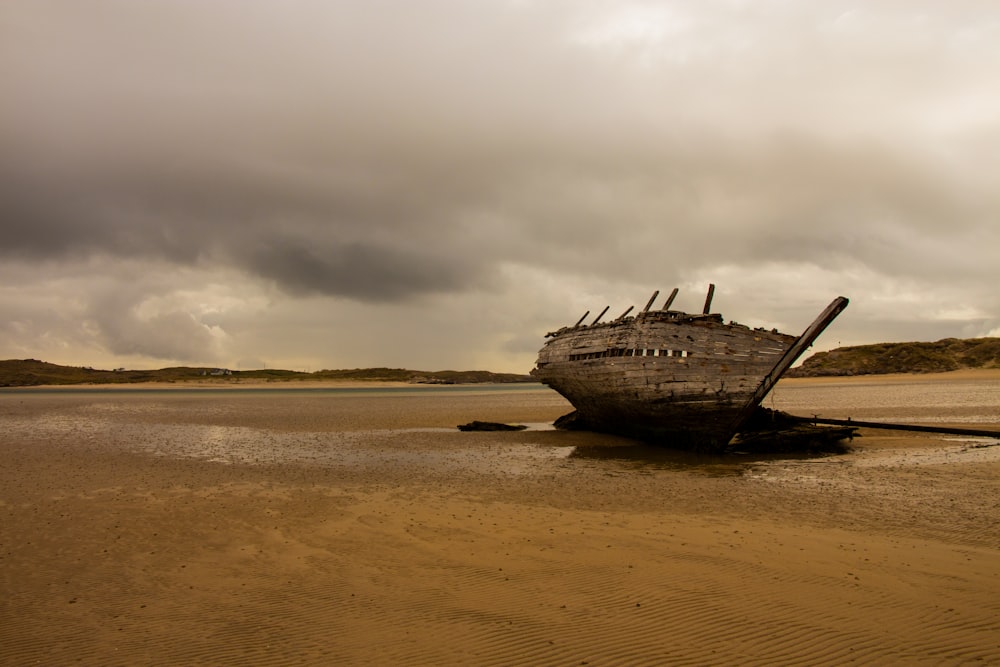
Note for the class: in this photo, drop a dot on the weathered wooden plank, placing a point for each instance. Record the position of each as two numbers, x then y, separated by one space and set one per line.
650 302
924 428
664 370
801 344
622 316
670 299
598 319
708 300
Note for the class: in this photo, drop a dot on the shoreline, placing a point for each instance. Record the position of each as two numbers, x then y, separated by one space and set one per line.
963 375
244 384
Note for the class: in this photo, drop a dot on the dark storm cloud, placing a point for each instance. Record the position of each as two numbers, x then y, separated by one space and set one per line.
359 270
173 129
360 240
221 135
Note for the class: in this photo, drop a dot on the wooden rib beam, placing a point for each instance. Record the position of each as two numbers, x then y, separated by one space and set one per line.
598 318
623 315
708 299
649 303
803 342
670 299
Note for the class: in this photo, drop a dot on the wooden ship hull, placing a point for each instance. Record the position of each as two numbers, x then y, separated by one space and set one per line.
674 378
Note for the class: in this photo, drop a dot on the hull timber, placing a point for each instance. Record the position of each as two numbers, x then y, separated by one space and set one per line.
680 379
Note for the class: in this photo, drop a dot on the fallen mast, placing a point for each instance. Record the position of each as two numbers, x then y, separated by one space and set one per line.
921 428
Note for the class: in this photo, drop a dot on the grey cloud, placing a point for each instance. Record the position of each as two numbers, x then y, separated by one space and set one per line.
75 313
173 335
387 152
363 271
129 310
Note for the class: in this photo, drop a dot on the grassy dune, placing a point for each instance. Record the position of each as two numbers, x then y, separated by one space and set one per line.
949 354
31 372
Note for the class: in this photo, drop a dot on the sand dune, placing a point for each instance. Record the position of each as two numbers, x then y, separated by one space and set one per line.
173 530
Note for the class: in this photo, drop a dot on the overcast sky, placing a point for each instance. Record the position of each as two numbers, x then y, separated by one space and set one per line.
437 184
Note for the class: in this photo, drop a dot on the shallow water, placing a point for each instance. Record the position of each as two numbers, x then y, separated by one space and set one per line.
377 429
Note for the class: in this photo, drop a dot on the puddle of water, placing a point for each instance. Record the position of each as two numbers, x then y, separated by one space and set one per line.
972 450
842 470
544 450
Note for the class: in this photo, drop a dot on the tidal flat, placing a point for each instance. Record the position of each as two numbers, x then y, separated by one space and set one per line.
357 525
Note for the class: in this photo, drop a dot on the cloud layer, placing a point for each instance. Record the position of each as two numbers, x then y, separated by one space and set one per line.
330 184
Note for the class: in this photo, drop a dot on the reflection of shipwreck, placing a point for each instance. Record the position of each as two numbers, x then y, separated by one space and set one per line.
680 379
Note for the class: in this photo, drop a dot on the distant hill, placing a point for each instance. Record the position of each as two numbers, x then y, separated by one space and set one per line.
950 354
31 372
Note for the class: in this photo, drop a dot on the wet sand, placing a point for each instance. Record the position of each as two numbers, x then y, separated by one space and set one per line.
299 528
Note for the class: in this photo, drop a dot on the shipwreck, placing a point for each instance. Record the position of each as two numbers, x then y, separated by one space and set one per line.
686 380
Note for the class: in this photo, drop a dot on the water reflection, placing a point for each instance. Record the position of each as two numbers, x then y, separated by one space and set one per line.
642 457
370 435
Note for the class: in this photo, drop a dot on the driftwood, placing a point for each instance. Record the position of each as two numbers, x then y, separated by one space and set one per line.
490 426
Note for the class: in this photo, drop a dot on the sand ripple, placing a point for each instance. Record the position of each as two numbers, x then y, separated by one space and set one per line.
261 531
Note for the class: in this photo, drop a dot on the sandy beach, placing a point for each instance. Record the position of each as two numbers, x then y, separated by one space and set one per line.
289 527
